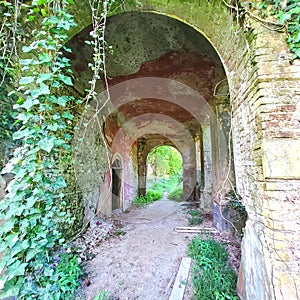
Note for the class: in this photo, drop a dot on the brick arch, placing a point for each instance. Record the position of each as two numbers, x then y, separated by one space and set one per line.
264 95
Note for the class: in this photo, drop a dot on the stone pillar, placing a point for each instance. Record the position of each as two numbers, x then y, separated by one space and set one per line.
206 193
142 153
142 177
199 167
189 171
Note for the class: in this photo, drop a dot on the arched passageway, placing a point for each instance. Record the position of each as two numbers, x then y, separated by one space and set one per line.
167 81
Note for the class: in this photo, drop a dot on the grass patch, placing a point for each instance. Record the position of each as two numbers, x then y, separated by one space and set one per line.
152 195
212 278
163 184
176 194
195 217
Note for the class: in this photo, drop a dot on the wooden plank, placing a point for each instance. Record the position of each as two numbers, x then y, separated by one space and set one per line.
194 229
181 279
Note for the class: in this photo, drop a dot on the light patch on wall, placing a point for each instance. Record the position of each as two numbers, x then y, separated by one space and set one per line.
281 158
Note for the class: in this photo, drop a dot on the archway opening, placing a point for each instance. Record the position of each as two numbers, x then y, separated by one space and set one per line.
165 171
116 186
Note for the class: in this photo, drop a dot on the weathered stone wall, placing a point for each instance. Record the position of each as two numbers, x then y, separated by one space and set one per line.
267 175
92 159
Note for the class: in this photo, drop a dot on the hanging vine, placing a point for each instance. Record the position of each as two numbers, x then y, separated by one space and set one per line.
287 13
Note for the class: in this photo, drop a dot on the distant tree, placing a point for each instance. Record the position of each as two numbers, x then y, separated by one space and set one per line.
165 161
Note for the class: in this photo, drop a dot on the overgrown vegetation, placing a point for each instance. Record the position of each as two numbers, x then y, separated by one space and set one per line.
152 195
165 172
164 162
288 14
195 217
35 206
212 277
176 194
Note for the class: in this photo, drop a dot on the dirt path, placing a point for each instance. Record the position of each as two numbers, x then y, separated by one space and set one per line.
142 263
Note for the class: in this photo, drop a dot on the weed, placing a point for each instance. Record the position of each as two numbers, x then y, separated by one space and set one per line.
212 278
176 194
197 220
102 296
153 195
119 232
194 212
142 200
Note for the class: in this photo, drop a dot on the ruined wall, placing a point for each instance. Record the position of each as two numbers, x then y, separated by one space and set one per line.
268 174
264 90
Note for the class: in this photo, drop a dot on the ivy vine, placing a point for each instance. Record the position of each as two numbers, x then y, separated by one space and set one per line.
34 204
288 14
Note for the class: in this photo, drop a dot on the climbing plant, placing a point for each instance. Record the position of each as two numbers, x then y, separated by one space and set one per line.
288 13
9 34
35 201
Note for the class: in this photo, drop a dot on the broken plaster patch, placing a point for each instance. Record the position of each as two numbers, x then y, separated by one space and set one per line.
281 158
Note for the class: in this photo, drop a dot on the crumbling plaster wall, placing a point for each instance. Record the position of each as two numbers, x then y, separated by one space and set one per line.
264 89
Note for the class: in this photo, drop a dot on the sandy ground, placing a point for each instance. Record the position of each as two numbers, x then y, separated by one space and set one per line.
142 263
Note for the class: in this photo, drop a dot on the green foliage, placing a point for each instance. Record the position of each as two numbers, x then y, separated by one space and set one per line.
58 281
196 217
152 195
235 203
141 200
176 194
212 278
165 161
288 14
102 296
35 202
164 184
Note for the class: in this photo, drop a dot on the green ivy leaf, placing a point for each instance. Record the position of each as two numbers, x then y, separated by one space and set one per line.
45 58
7 226
26 80
67 115
44 77
47 143
42 90
18 268
65 79
22 133
29 103
11 239
26 62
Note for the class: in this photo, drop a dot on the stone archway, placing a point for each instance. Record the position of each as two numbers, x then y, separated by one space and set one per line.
257 76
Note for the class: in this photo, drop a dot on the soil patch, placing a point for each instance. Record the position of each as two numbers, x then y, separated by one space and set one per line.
141 258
